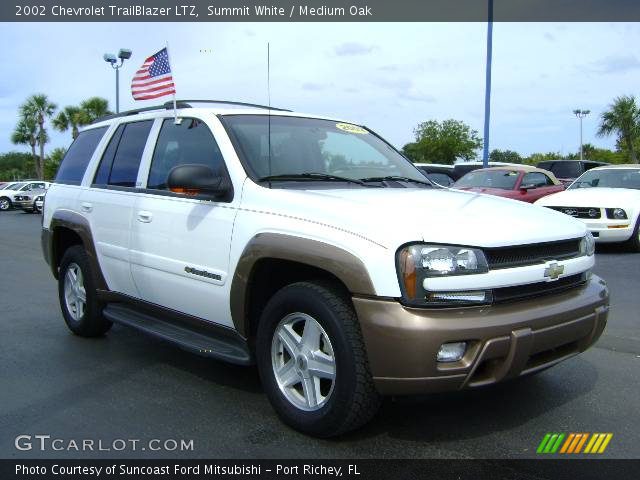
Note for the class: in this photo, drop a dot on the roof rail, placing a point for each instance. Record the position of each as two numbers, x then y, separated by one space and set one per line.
184 104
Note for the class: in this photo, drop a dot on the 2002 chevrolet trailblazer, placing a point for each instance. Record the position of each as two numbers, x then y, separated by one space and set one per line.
312 248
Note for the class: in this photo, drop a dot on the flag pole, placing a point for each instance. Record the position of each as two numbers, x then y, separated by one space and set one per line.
175 109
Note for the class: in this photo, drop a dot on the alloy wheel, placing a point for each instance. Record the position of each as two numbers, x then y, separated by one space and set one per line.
303 361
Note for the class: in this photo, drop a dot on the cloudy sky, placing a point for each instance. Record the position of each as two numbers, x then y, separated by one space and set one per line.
387 76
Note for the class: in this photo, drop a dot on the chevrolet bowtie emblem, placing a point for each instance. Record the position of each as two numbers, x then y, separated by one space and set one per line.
553 271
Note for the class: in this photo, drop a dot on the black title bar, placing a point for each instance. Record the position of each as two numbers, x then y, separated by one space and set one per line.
318 10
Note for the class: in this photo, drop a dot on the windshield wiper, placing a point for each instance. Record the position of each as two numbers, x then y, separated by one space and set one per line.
397 178
311 176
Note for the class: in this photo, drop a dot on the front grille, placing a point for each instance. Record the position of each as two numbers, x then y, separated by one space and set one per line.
537 253
519 292
579 212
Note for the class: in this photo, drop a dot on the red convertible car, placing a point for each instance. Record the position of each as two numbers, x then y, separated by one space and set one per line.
521 182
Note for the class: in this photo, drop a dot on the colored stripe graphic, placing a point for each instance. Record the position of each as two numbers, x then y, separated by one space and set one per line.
550 443
573 443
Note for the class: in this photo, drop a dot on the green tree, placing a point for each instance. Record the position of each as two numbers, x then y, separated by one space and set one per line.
443 142
52 163
506 156
623 119
26 133
69 117
38 108
72 117
94 108
16 165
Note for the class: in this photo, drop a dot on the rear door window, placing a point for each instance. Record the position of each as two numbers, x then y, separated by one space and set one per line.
121 160
78 156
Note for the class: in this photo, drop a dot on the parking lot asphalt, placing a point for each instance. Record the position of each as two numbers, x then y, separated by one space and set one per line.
129 386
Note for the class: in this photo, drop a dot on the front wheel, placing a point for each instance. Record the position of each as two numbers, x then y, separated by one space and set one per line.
634 242
312 360
76 290
5 204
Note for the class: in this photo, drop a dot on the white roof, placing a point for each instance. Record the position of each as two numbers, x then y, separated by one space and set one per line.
214 110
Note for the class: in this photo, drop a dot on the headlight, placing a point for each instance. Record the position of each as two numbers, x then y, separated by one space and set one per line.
616 213
420 261
588 245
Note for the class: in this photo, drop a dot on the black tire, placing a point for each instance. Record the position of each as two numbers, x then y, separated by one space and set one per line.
5 204
634 242
354 399
91 323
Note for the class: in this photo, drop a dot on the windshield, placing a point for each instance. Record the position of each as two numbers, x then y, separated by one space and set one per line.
305 145
13 186
614 178
503 179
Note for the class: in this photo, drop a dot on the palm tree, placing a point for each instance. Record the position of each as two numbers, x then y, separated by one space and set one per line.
623 119
69 117
39 108
26 133
94 108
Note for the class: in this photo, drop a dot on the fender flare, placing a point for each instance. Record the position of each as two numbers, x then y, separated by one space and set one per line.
348 268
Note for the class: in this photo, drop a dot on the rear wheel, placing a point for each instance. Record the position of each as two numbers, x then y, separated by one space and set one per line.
78 300
312 360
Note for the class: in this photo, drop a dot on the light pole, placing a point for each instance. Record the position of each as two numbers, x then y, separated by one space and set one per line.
111 59
581 114
487 91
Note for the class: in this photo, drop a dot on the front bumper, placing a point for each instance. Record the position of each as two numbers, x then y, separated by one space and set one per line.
505 340
23 204
609 231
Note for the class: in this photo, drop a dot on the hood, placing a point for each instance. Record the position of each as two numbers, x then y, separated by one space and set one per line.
394 216
592 197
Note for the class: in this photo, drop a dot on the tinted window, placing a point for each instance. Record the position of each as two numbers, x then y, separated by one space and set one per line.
126 161
536 179
102 175
77 157
190 141
571 169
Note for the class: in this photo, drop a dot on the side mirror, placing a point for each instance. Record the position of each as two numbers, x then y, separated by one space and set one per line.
527 187
197 179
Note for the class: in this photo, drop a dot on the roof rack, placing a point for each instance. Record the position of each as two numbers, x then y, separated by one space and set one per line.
185 104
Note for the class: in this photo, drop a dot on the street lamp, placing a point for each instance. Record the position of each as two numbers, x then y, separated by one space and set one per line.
581 114
110 58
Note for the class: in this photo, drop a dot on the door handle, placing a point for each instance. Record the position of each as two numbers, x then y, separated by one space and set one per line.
86 207
145 217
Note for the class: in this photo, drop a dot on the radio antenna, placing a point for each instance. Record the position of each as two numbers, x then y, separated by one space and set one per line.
269 104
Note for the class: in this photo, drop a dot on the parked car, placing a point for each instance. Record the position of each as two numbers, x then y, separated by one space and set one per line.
607 200
20 188
438 173
27 200
523 182
229 234
568 170
462 168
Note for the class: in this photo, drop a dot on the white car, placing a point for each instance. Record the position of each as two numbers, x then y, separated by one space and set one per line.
7 195
607 200
311 248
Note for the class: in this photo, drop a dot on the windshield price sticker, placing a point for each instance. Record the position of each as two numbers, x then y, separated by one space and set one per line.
347 127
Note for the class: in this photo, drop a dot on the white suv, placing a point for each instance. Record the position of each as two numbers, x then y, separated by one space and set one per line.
312 248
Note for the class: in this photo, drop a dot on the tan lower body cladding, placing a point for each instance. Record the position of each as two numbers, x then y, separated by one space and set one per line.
504 341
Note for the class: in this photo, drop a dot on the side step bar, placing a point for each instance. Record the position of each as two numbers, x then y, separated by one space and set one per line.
229 347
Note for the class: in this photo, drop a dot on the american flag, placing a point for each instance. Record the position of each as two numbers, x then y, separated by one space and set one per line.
154 78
